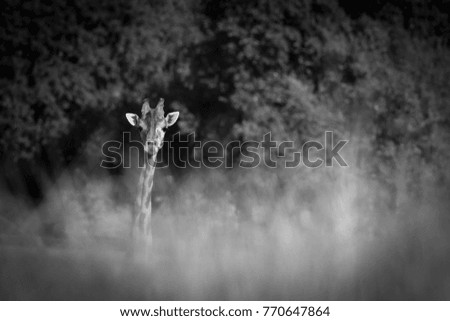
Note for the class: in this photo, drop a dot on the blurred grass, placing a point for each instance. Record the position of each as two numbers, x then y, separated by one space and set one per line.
76 245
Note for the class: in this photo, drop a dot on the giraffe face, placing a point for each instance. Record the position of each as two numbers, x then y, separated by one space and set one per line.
152 125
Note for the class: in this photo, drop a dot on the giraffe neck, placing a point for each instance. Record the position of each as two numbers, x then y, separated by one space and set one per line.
144 199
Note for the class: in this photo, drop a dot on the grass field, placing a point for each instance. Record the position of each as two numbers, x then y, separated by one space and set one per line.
215 243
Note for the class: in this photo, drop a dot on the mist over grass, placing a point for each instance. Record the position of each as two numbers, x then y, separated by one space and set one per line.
242 234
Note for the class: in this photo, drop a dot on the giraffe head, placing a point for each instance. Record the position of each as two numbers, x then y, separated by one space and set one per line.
152 125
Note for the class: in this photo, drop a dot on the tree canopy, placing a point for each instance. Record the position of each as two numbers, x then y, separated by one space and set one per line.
377 73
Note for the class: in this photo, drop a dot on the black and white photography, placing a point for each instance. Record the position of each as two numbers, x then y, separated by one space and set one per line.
166 150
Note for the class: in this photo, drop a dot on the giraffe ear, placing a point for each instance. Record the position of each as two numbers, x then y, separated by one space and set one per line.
133 119
171 118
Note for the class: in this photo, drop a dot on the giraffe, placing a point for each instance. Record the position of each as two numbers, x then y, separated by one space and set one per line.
152 126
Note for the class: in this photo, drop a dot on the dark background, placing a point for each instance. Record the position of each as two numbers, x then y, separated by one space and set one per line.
376 74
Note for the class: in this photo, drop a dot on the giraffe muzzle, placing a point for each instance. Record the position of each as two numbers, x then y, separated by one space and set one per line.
151 148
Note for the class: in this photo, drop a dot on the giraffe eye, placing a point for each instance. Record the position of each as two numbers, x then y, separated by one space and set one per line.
164 129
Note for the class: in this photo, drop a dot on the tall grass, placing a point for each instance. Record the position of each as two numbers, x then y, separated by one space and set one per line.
227 235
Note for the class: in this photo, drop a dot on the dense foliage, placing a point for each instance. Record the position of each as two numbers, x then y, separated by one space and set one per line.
375 74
